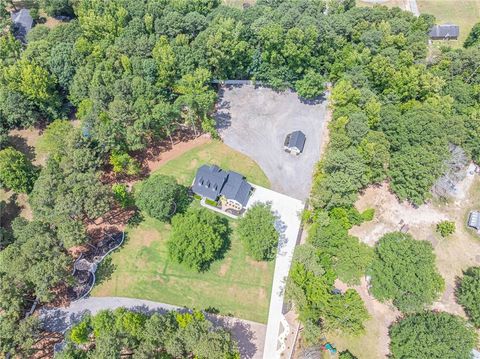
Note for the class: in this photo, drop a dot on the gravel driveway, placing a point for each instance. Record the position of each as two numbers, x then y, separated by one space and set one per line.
256 120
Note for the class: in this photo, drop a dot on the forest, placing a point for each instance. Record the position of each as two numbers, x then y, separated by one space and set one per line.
132 72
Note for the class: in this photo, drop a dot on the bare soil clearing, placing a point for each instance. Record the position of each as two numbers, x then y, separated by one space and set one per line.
453 254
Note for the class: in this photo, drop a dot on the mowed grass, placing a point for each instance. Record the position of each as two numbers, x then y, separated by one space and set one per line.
389 3
464 13
235 285
184 167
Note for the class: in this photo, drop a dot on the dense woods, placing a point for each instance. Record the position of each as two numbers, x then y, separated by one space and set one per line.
133 72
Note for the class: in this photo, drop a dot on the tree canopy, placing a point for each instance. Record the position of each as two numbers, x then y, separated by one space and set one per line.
403 270
161 197
16 171
173 334
468 294
432 335
257 232
198 238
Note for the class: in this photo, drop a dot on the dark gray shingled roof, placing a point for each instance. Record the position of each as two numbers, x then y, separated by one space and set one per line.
297 140
209 180
446 31
212 182
474 220
23 23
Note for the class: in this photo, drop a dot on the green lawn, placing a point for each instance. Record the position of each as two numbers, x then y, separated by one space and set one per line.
235 285
464 13
184 167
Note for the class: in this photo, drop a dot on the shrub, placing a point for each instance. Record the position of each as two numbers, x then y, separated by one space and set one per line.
197 238
468 294
79 333
121 195
446 228
432 335
368 214
161 196
346 355
124 163
257 232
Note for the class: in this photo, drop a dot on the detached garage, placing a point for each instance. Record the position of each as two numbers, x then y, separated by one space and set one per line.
295 142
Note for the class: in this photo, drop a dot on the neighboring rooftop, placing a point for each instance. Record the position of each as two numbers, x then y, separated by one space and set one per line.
212 182
445 31
474 220
23 22
296 140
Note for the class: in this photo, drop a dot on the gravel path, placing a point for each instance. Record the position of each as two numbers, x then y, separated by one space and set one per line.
249 335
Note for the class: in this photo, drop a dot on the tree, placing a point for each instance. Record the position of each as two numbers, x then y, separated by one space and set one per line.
473 37
198 238
36 258
17 336
16 171
432 335
404 271
55 136
58 7
161 197
468 294
124 163
257 232
311 85
446 228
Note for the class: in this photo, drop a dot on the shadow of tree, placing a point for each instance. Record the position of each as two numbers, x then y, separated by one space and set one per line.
20 144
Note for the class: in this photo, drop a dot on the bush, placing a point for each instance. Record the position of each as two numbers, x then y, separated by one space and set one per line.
211 203
79 333
124 163
161 197
198 238
121 195
16 171
446 228
257 232
346 355
432 335
404 271
368 214
468 294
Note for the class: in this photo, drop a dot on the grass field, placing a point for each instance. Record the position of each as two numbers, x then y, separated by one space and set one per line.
389 3
234 285
464 13
184 167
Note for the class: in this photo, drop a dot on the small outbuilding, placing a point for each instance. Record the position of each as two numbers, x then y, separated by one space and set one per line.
295 142
444 32
474 220
22 24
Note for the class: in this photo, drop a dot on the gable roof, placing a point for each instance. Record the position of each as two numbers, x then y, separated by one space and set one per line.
445 31
474 220
23 22
212 182
209 181
296 140
236 188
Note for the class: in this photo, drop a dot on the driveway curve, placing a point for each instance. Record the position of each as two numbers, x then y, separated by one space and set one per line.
249 335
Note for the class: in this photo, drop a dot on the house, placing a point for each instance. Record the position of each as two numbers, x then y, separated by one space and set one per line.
295 142
213 183
444 32
22 24
474 220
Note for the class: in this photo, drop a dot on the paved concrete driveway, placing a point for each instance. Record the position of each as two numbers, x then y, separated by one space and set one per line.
287 210
255 121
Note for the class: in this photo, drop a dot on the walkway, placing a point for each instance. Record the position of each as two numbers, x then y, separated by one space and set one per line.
288 211
249 335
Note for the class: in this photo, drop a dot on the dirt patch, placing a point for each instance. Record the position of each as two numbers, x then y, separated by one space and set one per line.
225 267
257 264
176 151
391 215
148 236
262 294
26 141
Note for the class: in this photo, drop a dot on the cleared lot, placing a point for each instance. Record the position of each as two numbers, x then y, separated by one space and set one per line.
256 120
